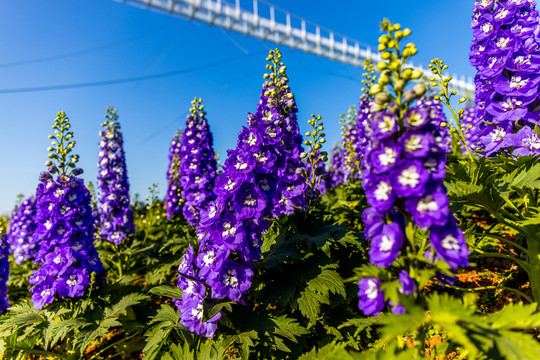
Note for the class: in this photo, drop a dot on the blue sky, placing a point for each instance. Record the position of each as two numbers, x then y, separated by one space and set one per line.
58 42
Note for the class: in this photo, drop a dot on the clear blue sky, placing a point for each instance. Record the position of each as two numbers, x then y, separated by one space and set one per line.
113 40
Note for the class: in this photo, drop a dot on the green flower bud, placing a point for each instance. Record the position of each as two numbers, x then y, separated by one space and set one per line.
381 66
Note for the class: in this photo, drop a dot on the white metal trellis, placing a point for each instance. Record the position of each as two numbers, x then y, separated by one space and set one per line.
264 21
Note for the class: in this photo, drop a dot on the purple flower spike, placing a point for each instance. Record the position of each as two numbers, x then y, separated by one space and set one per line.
21 229
505 50
197 164
64 233
386 245
371 300
260 181
174 186
449 244
115 214
4 273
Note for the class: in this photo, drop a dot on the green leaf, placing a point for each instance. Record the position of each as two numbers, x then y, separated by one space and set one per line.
169 291
515 316
516 346
317 291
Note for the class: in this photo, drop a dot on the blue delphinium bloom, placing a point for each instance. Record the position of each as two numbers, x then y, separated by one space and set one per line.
4 273
64 234
115 214
174 187
21 228
506 53
261 179
403 170
371 298
197 164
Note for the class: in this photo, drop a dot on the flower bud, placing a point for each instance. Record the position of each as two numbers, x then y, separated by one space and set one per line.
44 176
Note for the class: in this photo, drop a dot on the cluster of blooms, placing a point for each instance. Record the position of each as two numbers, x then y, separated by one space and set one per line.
4 273
65 237
21 229
403 169
65 226
261 179
197 164
362 122
336 168
505 51
469 125
174 192
115 214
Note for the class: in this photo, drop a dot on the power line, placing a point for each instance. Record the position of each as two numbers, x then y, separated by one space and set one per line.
124 80
80 52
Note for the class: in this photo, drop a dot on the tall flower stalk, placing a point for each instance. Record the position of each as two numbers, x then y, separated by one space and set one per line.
505 51
4 270
115 214
21 229
262 178
68 260
403 172
173 199
197 164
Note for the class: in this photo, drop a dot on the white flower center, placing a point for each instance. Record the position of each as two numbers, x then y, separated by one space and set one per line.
517 83
386 243
249 200
383 191
59 192
389 157
413 143
387 125
209 257
532 142
409 177
230 278
511 103
501 14
229 229
450 243
48 224
372 290
502 43
251 140
72 280
497 135
230 185
427 204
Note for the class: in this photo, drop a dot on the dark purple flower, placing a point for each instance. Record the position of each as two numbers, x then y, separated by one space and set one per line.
4 273
21 229
386 245
196 164
115 214
371 300
449 244
409 178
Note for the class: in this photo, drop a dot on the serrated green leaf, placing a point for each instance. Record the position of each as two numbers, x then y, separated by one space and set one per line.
515 316
169 291
517 346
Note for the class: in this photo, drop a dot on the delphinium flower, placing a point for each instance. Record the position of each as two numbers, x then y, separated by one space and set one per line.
505 51
4 270
115 214
315 173
197 164
21 229
336 166
66 254
469 127
173 198
262 178
403 172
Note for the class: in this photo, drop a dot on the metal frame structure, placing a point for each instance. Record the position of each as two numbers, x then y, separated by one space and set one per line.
265 21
